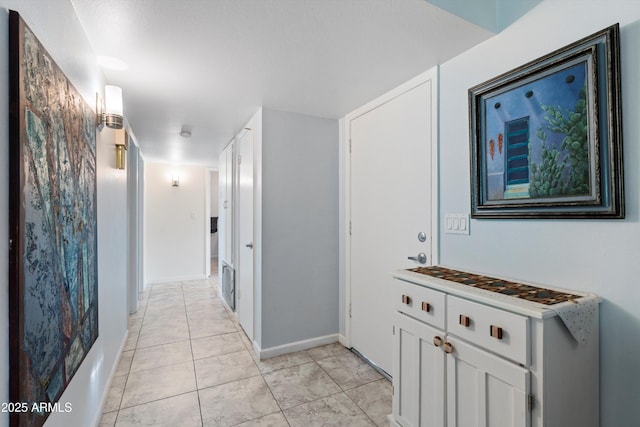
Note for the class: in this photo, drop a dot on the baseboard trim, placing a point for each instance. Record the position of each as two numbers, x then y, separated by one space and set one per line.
344 341
292 347
114 369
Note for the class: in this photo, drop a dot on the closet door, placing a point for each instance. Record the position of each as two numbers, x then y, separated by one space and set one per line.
245 211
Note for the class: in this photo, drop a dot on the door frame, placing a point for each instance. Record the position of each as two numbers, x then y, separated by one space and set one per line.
432 76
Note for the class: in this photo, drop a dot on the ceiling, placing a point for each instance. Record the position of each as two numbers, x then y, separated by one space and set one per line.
210 64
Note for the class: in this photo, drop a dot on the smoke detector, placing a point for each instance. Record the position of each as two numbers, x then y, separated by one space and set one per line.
185 132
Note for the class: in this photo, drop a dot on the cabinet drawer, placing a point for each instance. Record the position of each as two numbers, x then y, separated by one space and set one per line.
419 302
503 332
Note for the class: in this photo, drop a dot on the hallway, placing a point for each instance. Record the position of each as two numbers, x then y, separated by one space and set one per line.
188 363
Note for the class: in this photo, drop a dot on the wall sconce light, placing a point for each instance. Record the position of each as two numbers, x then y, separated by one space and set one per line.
122 145
175 180
110 112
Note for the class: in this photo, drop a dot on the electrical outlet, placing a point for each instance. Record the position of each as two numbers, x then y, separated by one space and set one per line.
456 223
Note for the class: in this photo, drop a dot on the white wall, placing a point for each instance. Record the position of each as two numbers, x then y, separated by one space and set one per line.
590 255
174 223
299 224
72 52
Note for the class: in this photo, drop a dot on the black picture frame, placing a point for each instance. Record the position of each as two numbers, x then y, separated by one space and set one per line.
546 137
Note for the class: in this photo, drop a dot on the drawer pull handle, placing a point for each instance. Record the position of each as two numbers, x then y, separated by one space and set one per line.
437 341
496 332
448 348
465 320
406 299
426 306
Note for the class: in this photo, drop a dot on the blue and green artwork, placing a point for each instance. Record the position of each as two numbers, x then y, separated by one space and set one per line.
54 279
537 137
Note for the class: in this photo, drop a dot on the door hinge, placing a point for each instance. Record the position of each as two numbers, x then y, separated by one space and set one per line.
239 159
530 402
349 228
349 310
394 329
349 145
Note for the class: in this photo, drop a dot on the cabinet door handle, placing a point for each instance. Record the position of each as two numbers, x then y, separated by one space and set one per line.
437 341
426 306
464 320
495 331
406 299
447 347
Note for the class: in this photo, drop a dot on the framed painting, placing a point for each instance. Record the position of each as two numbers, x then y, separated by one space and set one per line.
53 276
546 138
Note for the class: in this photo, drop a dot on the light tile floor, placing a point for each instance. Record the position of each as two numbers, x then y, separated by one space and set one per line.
188 363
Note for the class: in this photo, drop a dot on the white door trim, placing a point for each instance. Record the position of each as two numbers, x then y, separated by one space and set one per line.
431 75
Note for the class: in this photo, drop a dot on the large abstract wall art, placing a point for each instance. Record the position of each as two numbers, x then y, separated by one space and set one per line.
53 289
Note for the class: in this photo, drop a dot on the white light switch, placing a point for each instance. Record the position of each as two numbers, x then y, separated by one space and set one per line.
456 223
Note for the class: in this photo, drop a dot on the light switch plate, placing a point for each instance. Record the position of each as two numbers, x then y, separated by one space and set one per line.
456 223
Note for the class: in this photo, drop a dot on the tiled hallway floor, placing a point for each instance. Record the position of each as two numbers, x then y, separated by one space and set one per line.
188 363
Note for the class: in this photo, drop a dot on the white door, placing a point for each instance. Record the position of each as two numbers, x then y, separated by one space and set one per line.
390 204
244 206
484 390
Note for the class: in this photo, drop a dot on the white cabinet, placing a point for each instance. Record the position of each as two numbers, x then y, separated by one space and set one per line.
479 385
467 357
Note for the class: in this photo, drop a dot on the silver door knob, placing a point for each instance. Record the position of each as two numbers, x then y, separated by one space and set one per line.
249 245
421 258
